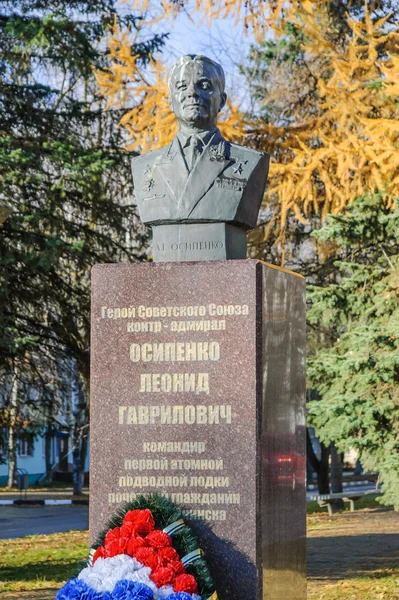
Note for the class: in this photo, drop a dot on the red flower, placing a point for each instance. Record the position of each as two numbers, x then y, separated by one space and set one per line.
185 583
112 535
142 519
112 549
159 539
123 545
176 566
99 553
134 544
148 557
111 544
132 528
127 529
168 554
126 534
162 576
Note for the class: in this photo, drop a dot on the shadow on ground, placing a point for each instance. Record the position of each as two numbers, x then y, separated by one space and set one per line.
51 570
351 556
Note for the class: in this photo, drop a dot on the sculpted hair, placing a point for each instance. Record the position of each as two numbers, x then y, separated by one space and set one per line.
183 60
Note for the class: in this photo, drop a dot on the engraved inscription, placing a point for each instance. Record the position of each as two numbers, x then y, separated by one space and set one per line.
199 480
187 246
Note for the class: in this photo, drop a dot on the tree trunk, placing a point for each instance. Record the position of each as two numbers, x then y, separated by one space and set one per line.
47 451
321 467
77 470
80 432
323 479
83 452
336 470
336 475
12 433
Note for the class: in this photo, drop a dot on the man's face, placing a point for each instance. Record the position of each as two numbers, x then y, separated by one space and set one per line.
195 96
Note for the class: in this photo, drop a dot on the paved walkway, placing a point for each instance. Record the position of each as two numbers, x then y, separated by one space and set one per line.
17 522
45 494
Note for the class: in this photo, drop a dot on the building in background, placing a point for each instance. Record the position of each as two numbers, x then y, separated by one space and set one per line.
43 430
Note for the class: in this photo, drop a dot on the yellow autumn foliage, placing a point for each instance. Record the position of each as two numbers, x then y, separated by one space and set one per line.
346 148
350 147
255 16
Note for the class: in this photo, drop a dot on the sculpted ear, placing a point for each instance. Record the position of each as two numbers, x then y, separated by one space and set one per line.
222 100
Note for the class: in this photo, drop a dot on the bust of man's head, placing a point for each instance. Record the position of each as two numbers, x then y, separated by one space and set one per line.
196 92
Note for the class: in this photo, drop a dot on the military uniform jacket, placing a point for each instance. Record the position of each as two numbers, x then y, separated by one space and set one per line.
226 184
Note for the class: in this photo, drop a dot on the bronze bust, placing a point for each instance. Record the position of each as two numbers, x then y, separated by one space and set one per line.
200 193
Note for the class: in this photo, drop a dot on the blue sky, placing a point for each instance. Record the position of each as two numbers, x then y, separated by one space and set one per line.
223 41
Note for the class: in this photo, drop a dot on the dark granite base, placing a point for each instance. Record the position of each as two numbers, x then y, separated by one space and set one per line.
198 392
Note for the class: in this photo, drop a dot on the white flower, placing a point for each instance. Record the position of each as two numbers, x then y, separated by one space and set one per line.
105 572
165 591
143 576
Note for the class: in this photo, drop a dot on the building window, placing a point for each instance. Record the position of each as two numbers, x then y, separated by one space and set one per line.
26 446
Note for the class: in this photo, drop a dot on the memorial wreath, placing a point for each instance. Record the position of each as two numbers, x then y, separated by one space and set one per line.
146 552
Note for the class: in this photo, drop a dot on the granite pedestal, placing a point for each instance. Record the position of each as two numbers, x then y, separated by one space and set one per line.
198 393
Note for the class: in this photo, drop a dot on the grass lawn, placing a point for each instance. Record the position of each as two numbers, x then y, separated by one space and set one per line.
28 565
33 487
40 561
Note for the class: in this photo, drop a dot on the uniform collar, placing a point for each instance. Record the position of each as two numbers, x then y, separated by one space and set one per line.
204 136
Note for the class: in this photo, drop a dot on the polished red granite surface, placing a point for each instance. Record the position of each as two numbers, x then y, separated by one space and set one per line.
197 393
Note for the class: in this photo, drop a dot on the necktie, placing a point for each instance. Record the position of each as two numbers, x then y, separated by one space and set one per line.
192 151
